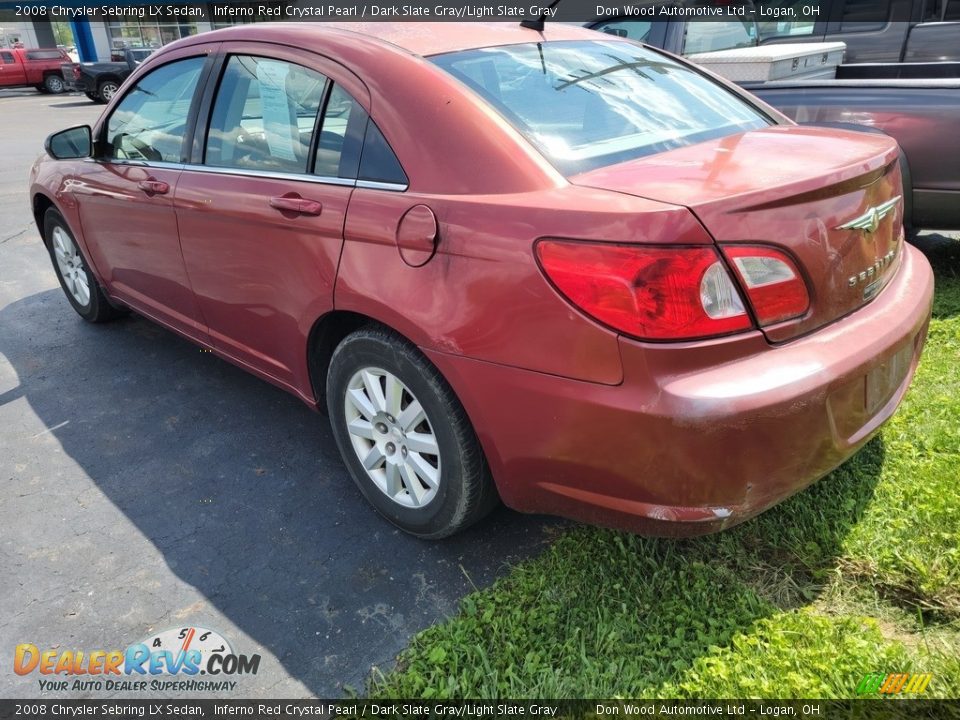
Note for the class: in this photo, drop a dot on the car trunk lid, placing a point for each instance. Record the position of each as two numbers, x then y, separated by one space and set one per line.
830 199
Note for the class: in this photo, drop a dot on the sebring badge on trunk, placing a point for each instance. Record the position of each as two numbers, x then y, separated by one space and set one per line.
874 270
869 222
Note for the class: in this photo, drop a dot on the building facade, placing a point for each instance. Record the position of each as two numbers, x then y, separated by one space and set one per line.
98 38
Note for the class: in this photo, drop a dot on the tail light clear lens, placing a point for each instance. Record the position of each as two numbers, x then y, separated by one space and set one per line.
774 286
652 293
718 294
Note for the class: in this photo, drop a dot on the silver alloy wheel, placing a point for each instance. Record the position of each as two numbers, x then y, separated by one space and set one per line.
393 437
108 90
54 84
70 266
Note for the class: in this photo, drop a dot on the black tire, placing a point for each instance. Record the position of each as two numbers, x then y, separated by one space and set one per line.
909 229
92 96
54 84
464 492
42 89
106 90
97 309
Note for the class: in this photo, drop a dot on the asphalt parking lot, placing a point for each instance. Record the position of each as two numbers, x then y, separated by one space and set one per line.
149 486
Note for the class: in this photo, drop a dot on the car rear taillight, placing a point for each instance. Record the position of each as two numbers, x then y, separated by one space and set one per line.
651 293
774 286
76 72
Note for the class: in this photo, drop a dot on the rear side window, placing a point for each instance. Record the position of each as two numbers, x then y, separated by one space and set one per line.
789 28
264 115
378 162
351 146
7 58
151 119
44 55
864 15
589 104
341 135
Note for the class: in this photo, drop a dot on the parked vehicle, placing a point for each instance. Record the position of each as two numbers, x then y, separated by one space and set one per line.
919 114
100 81
36 67
875 31
917 104
592 280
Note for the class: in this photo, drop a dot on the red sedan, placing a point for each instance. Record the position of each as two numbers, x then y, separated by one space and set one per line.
559 269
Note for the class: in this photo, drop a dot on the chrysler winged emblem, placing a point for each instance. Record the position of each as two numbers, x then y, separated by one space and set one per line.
870 220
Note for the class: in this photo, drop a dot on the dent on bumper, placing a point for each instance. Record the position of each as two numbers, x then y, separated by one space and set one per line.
702 436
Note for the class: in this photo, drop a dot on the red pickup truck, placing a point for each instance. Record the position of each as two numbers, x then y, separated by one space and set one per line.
36 67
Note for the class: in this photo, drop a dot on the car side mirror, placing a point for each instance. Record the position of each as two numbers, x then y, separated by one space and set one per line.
70 144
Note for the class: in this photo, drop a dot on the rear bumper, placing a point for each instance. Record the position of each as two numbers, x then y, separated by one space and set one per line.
699 436
77 85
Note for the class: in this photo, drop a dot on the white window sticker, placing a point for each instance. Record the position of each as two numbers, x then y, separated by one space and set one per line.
276 108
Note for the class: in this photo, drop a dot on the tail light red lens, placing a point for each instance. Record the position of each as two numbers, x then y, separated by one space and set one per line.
774 286
76 72
652 293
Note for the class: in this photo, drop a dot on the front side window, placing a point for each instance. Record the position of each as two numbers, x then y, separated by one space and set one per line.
7 58
151 119
264 115
589 104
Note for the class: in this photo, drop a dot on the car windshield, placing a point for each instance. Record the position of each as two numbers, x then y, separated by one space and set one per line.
589 104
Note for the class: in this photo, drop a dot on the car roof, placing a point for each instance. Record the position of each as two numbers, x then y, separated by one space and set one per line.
418 38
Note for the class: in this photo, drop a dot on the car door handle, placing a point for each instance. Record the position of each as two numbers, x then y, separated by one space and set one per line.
296 204
154 187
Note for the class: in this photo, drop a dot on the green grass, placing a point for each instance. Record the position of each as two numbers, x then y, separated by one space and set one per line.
860 573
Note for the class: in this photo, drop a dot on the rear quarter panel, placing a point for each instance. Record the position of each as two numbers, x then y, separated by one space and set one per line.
482 294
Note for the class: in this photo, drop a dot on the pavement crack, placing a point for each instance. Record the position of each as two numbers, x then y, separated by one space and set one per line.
17 234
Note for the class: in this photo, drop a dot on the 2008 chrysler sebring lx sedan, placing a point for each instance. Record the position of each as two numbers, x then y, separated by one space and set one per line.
555 268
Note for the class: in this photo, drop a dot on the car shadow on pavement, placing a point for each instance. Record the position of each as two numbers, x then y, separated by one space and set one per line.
240 488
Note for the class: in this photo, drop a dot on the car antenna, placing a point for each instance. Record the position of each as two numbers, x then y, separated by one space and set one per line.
537 24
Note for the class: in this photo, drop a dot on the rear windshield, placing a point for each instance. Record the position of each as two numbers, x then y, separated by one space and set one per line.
589 104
